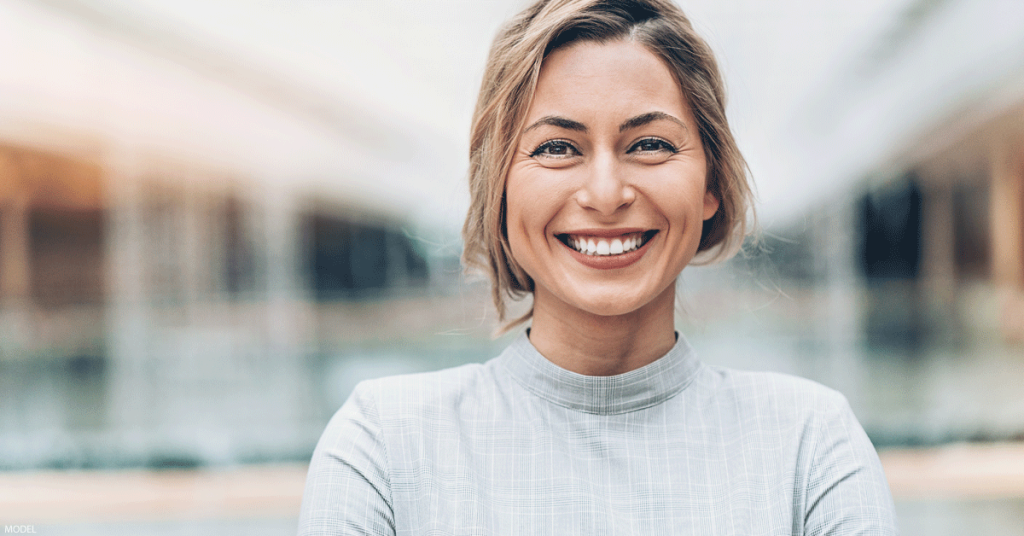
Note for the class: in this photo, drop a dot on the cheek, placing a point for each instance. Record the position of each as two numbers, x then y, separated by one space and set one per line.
514 203
519 218
531 203
514 229
679 195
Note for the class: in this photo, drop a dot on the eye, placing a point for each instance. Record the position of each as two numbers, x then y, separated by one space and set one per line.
556 149
652 145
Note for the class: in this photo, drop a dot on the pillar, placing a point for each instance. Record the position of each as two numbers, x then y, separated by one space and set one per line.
128 326
1007 224
938 265
15 262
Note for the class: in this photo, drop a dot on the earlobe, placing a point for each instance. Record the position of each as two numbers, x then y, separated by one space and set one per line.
711 203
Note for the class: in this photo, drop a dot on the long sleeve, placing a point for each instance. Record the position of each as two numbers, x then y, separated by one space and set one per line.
847 492
347 489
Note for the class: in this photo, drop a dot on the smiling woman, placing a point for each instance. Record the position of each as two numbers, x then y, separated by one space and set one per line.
601 166
611 159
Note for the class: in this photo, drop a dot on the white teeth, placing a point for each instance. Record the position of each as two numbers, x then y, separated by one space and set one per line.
604 247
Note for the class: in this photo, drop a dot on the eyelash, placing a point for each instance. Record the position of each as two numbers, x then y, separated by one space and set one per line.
555 143
661 145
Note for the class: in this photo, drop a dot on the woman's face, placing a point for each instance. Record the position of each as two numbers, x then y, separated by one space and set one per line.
607 192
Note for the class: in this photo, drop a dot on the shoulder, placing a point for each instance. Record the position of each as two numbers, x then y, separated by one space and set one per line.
385 413
408 398
774 395
771 385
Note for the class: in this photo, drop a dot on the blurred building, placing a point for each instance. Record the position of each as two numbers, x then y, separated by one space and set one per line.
181 232
926 134
914 246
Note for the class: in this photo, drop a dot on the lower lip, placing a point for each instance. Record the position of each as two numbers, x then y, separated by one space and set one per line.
610 262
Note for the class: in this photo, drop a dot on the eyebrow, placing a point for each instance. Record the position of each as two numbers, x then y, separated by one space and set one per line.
559 122
646 118
633 122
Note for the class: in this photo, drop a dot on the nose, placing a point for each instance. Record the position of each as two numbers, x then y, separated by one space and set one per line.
605 188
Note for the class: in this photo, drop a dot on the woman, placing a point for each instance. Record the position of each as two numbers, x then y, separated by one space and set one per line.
601 165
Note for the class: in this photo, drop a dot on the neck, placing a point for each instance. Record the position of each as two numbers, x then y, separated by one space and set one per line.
597 345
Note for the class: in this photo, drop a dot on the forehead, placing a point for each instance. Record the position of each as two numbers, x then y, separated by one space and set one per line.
599 80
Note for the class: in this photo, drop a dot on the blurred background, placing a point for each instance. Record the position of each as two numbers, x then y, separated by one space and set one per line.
217 217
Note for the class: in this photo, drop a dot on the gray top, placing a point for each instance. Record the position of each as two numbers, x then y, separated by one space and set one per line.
520 446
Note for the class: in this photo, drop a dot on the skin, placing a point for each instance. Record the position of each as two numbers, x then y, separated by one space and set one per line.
610 144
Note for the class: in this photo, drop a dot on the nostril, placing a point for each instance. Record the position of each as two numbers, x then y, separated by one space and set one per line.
606 197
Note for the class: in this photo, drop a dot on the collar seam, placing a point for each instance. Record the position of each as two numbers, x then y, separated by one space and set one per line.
697 367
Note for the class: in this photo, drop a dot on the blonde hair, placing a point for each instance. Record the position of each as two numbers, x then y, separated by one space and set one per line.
506 93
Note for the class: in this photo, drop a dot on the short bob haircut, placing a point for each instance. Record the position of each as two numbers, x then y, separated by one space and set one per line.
509 82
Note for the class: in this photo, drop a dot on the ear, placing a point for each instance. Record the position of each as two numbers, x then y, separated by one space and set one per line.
711 203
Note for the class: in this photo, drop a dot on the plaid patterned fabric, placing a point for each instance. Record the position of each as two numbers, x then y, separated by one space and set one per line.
519 446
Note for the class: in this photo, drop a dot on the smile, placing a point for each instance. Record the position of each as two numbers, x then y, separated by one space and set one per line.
600 246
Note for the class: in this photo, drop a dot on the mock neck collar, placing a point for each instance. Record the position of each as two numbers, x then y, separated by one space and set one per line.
637 389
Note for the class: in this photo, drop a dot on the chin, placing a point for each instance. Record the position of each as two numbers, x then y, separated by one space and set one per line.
612 306
607 299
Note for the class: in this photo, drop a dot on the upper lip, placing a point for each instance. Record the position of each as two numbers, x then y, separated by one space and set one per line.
605 233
